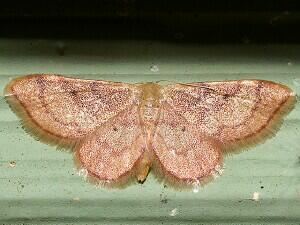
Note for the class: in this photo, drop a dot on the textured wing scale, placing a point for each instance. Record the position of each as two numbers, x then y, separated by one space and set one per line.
62 110
183 155
198 120
236 113
97 119
111 153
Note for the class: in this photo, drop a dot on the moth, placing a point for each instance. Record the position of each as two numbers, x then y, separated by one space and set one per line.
118 131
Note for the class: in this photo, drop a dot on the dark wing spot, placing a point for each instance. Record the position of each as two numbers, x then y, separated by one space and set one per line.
73 93
226 96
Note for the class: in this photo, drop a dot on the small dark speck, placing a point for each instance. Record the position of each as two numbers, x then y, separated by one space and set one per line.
22 186
12 163
73 92
262 187
141 181
183 129
115 129
226 96
165 186
164 201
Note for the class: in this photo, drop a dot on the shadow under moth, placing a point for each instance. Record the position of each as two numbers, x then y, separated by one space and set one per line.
118 131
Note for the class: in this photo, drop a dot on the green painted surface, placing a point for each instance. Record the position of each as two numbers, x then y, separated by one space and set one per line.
44 187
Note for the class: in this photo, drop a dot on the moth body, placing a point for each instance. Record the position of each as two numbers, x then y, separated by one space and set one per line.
118 131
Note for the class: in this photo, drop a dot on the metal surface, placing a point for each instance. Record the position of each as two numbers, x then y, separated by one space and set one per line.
39 185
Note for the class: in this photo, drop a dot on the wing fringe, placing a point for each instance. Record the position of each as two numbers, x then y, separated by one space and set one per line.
128 178
31 127
265 133
163 176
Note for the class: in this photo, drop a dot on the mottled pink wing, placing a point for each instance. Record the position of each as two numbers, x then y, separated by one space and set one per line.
182 154
231 111
112 152
198 120
63 110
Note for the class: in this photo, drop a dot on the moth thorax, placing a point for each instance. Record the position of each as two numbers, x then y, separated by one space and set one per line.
150 102
149 110
151 92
